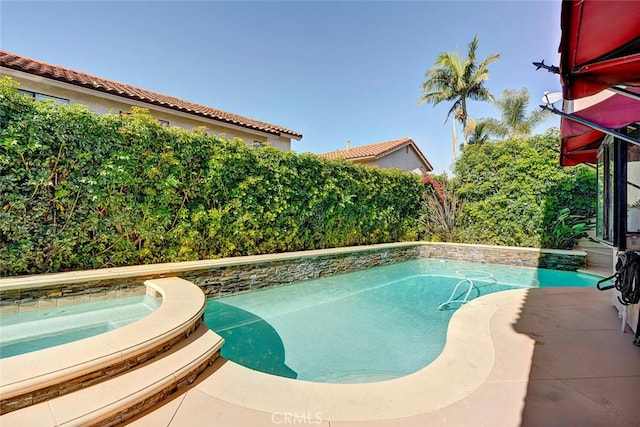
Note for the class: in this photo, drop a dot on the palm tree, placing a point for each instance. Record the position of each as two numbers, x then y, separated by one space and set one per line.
468 129
454 78
480 134
514 121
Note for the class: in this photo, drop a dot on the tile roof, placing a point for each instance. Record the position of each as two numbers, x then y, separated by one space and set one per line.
78 78
375 151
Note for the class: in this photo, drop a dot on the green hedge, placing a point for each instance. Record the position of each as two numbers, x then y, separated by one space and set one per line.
80 190
514 191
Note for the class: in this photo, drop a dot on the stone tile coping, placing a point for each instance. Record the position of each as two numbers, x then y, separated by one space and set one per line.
119 398
47 280
181 310
464 365
516 249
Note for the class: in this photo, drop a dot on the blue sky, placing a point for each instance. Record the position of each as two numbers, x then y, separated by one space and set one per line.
334 71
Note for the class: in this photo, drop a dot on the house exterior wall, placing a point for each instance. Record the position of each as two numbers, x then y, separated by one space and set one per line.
405 159
103 103
367 162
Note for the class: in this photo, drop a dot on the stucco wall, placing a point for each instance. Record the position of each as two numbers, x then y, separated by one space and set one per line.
103 103
405 159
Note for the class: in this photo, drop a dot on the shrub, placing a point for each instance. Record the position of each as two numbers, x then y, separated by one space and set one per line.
515 189
441 210
81 190
566 230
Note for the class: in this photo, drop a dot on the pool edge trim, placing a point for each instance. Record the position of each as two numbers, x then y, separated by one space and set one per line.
463 366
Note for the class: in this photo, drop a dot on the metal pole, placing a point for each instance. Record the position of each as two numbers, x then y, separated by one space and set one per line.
625 92
592 125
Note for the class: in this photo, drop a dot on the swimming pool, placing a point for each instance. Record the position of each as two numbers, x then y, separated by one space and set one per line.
34 330
372 325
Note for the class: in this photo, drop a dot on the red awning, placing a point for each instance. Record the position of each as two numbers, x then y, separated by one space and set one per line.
607 109
599 47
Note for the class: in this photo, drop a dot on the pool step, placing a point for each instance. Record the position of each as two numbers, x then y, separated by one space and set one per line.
41 376
120 398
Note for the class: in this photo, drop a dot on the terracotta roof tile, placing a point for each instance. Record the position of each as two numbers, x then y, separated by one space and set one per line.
366 151
78 78
374 151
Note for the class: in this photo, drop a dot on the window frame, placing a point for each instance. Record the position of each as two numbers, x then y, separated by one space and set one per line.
44 97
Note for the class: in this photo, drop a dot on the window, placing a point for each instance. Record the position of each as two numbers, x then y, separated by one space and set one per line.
618 189
633 181
27 92
41 97
605 179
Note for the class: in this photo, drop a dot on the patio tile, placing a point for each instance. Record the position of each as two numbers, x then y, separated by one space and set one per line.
567 297
498 403
572 318
587 354
456 415
539 373
512 360
33 416
620 395
160 416
551 403
248 388
200 409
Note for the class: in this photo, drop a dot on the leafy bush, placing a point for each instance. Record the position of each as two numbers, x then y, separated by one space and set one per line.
566 230
81 190
514 190
574 191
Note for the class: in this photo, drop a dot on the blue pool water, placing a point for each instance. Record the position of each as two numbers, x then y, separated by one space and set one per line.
34 330
371 325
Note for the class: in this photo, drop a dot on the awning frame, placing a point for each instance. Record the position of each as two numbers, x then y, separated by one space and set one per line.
593 125
621 90
618 89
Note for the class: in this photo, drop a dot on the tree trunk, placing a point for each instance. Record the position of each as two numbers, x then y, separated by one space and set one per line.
454 138
464 121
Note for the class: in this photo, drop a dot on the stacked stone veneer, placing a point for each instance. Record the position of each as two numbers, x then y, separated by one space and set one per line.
43 297
225 278
222 281
524 257
215 281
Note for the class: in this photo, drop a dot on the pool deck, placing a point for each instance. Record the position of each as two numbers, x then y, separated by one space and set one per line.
542 356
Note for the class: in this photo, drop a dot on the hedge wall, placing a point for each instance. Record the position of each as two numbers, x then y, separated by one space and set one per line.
80 190
514 191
